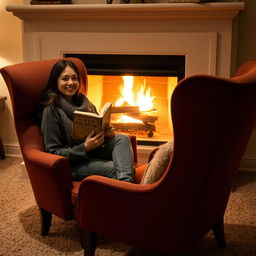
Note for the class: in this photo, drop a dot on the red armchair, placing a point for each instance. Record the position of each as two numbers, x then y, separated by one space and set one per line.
50 175
212 119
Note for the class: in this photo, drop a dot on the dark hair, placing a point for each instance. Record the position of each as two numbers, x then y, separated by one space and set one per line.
51 92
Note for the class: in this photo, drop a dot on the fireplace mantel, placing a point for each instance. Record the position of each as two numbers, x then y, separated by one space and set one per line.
127 11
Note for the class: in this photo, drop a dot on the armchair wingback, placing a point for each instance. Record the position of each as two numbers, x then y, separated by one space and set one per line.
26 82
50 175
213 119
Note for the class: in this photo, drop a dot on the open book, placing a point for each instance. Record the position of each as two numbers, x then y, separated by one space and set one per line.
85 122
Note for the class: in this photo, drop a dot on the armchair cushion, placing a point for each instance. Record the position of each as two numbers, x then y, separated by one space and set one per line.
158 164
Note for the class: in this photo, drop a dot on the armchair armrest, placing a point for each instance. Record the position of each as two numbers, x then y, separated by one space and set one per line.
134 147
51 181
99 195
108 207
45 160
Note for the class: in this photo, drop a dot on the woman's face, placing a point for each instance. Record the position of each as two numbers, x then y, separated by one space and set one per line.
68 83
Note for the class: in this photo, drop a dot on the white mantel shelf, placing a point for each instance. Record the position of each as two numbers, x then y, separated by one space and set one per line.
127 11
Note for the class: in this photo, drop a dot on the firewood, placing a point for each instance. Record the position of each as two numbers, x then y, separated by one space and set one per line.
133 126
144 118
125 109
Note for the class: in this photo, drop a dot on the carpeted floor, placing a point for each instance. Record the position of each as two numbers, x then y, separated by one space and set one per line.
20 224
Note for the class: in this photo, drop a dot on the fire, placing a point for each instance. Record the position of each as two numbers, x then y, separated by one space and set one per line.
145 101
128 119
128 98
126 92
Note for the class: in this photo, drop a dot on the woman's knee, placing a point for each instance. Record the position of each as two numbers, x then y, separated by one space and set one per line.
109 170
123 137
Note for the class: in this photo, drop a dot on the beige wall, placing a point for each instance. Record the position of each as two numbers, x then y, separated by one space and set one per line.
10 52
247 33
247 51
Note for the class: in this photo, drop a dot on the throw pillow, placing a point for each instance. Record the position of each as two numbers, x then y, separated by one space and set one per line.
158 164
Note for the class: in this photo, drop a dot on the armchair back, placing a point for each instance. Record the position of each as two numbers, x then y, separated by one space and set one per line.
213 119
50 175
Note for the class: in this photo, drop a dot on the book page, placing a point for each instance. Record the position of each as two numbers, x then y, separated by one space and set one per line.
86 113
106 115
105 108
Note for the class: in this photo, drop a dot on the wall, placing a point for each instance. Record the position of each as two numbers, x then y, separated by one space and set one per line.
247 51
10 52
247 33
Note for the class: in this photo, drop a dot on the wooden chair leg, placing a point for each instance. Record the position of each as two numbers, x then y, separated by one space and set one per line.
218 231
46 220
2 153
88 241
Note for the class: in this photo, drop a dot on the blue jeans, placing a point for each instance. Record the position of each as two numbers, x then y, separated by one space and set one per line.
114 159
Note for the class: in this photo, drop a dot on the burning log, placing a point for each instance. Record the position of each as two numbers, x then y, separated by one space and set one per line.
135 127
143 118
125 109
147 120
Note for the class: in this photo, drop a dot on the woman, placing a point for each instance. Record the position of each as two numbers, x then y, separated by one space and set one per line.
106 154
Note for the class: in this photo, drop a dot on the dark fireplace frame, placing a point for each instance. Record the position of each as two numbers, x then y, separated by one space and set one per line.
136 65
142 65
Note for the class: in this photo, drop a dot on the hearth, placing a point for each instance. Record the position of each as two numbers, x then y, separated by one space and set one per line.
140 88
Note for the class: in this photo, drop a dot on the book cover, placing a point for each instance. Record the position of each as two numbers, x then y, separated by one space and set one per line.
85 122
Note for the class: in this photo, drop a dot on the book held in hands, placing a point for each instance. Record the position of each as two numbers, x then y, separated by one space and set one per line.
85 122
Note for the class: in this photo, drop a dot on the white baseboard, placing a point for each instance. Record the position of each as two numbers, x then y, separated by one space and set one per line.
248 163
12 149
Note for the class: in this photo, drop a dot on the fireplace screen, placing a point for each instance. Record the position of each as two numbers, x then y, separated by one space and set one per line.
140 89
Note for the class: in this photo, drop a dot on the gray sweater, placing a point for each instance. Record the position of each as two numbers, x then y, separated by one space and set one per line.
56 141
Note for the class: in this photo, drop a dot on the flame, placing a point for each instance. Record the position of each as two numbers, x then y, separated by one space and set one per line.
129 98
144 100
128 119
126 92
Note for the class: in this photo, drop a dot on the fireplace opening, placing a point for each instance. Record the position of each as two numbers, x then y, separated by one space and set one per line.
140 89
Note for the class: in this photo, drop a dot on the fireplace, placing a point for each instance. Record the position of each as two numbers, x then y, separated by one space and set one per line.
204 33
140 89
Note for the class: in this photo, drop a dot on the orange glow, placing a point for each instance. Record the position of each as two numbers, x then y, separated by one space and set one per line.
128 119
142 99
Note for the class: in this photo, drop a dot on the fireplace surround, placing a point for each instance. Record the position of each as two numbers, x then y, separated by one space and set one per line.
204 33
120 64
140 89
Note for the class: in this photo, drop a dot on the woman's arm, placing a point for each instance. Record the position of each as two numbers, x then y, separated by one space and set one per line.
55 139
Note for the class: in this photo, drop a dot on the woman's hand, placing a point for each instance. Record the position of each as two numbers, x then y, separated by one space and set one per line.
92 142
110 131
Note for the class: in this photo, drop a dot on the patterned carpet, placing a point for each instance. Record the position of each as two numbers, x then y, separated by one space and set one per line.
20 223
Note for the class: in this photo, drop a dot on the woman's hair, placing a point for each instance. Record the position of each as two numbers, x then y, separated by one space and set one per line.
51 93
